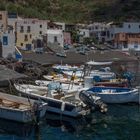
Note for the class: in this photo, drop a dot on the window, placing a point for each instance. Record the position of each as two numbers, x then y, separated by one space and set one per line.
40 26
108 34
28 29
55 38
135 45
26 38
21 44
5 40
129 26
96 27
0 17
125 46
21 29
139 26
30 36
40 32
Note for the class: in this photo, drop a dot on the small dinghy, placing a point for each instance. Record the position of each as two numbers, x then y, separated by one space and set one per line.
21 109
116 94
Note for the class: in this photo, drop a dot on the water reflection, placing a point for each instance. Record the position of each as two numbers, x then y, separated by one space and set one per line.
8 128
121 122
67 124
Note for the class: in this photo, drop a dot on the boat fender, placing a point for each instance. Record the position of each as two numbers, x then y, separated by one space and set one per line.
63 106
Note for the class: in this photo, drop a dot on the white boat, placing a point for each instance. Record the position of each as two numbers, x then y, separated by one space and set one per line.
61 78
101 74
66 67
116 94
94 63
21 109
58 103
57 85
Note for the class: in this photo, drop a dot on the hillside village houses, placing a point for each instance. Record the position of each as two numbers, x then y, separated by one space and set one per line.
97 30
128 32
27 30
29 34
55 36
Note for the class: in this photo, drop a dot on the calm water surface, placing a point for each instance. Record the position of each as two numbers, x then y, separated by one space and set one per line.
122 122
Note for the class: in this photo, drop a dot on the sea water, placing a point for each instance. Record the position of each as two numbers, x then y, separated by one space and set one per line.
121 122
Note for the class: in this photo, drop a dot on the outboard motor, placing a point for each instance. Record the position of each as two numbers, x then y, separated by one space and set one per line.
91 102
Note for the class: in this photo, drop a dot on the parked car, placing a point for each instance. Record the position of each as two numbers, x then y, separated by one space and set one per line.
39 50
61 54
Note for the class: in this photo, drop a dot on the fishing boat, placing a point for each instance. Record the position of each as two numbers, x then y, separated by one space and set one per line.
102 74
113 83
89 70
21 109
116 94
66 67
61 102
63 79
57 85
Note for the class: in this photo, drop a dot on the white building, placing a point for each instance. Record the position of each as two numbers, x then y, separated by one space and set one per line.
55 36
3 21
61 25
126 27
29 29
8 44
84 33
96 29
12 19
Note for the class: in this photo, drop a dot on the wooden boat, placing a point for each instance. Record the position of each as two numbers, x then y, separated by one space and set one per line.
21 109
116 94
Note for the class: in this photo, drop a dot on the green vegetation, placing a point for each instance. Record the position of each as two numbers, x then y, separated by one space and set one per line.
75 10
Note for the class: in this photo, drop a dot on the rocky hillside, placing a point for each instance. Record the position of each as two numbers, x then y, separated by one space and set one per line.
75 10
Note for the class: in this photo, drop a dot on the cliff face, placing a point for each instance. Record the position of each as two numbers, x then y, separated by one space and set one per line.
75 10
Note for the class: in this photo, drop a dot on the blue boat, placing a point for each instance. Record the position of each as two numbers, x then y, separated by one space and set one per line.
116 94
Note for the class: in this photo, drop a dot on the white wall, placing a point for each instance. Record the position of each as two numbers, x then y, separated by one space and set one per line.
51 34
9 48
35 25
84 32
131 47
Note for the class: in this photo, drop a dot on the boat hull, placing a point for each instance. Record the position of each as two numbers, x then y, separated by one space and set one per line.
120 97
18 114
56 105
